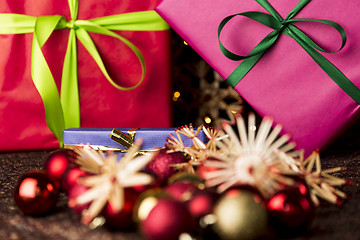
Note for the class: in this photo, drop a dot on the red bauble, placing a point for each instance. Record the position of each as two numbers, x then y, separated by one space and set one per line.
167 220
186 177
202 203
291 208
146 201
124 218
35 193
57 163
160 165
70 177
202 169
144 188
75 191
182 191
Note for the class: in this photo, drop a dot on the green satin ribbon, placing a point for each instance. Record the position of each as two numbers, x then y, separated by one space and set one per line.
285 26
64 111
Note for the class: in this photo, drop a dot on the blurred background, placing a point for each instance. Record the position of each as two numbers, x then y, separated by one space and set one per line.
199 94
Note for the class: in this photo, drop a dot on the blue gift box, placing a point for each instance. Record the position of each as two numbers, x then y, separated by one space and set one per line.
100 138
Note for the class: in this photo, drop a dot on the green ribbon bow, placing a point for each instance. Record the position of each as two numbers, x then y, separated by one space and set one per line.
285 26
64 111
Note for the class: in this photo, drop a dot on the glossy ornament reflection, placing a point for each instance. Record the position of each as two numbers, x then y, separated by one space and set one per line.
70 177
291 208
161 165
167 220
57 163
122 219
35 193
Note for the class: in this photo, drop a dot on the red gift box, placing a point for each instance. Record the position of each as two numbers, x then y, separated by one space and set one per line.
23 121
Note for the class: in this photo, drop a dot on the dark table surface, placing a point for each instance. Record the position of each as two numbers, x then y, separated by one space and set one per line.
331 222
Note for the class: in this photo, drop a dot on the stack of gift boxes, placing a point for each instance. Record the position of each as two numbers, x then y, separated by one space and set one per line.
84 67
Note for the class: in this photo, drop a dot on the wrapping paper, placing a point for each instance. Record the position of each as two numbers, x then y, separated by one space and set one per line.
152 137
22 122
286 83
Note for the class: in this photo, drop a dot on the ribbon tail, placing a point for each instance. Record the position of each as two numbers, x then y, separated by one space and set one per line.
297 8
69 85
242 69
133 21
11 23
247 64
73 6
267 6
43 78
333 72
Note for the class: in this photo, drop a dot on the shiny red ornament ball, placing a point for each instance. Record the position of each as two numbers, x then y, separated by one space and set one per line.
57 163
186 177
146 201
167 220
70 177
291 208
76 190
161 167
35 193
202 170
182 190
202 203
122 219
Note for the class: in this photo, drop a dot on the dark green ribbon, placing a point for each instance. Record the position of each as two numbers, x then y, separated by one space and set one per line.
285 26
64 111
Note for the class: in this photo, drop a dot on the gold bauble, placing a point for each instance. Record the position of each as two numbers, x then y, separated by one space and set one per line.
240 215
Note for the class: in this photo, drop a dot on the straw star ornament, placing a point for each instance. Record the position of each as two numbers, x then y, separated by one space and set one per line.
322 184
198 152
110 178
249 159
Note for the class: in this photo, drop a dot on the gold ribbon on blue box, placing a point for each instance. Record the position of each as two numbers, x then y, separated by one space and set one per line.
122 139
64 111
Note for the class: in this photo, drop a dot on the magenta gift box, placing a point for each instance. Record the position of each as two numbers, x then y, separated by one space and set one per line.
285 83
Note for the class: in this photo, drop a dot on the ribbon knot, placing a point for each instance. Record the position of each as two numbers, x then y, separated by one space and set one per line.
273 20
284 23
71 24
63 24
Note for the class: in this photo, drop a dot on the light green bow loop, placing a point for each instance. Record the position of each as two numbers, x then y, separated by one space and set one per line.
85 39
